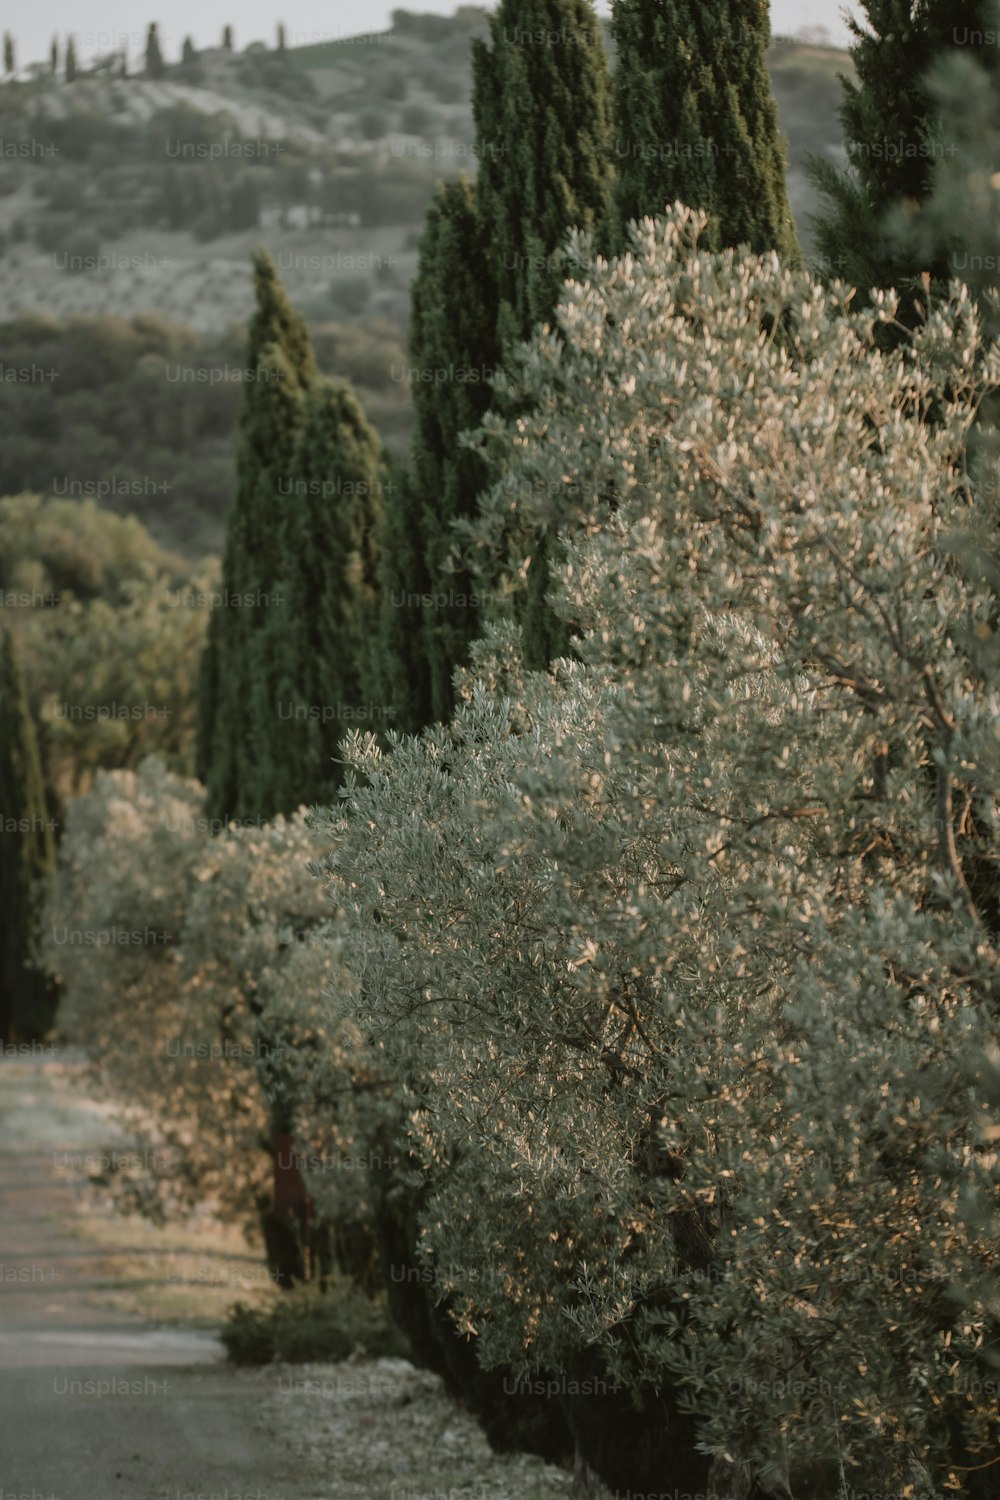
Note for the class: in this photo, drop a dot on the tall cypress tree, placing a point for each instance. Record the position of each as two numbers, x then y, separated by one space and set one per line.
54 56
892 132
491 266
960 216
26 855
8 52
70 64
234 722
542 111
404 674
155 66
453 339
318 668
696 121
190 68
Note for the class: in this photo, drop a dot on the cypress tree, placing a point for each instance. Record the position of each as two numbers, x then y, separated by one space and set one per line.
54 56
234 723
190 67
227 38
892 131
960 216
319 666
751 185
491 266
26 855
70 64
453 339
281 36
404 675
8 52
205 756
271 422
696 120
661 88
542 112
155 66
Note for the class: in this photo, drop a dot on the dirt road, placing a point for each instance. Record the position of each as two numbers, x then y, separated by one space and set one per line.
97 1404
94 1405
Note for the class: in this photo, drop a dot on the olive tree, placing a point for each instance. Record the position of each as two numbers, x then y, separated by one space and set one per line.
195 963
684 955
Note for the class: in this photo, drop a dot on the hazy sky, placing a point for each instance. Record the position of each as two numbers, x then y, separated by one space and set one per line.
102 25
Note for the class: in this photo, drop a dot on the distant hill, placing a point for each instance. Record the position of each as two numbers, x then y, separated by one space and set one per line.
133 195
134 198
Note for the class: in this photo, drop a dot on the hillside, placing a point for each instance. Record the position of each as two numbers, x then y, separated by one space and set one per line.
131 195
132 198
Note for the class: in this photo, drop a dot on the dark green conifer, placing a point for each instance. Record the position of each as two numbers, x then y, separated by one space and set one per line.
404 675
542 112
234 716
26 856
190 68
696 121
155 65
892 131
452 341
70 64
319 667
491 268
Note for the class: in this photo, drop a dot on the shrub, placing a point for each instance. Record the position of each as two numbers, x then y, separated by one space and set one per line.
309 1325
110 655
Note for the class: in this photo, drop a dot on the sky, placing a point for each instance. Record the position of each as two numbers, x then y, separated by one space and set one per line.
102 25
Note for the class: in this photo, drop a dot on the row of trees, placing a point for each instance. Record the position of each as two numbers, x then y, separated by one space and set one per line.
549 125
154 62
659 979
684 954
690 116
681 955
559 145
702 815
491 263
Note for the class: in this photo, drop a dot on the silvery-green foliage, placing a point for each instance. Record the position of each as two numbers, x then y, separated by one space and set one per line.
194 966
683 954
